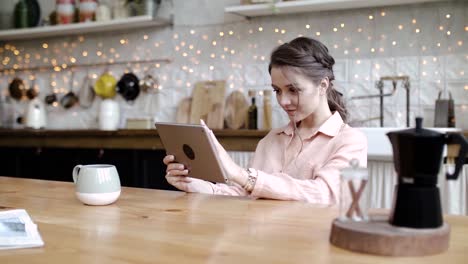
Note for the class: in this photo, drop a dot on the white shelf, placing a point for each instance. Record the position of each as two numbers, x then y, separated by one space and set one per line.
82 28
301 6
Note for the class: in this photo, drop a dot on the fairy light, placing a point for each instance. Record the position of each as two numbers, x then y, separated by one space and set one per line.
276 30
371 17
212 55
175 36
460 43
449 33
417 30
99 53
335 29
441 28
122 41
307 26
383 13
211 67
192 31
190 47
356 50
317 33
231 32
84 53
358 62
335 46
424 62
205 37
438 44
81 38
182 43
213 43
342 25
184 54
413 21
359 30
447 16
233 51
283 31
260 29
45 45
198 52
145 37
346 52
221 34
372 50
393 43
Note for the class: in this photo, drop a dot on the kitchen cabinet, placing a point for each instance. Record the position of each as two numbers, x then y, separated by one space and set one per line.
302 6
83 28
137 168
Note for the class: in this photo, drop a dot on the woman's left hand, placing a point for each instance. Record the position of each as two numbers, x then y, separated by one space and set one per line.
233 171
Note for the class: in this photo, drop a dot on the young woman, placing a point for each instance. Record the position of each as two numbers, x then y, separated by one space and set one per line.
302 160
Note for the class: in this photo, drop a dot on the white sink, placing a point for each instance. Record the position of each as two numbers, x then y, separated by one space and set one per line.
379 147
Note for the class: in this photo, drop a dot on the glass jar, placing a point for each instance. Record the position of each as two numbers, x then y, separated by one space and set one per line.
354 202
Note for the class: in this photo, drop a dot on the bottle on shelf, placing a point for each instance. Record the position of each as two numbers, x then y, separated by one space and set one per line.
267 118
252 112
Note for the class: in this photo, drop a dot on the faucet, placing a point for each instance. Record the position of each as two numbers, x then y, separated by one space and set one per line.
380 85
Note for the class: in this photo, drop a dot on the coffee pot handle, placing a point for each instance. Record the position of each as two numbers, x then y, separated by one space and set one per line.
456 138
76 170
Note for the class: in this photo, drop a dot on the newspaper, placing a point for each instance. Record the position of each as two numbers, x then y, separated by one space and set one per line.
17 230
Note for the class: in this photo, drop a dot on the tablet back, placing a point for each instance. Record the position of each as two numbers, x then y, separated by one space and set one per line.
191 145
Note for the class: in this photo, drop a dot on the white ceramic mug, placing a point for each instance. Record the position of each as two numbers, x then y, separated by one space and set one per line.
97 184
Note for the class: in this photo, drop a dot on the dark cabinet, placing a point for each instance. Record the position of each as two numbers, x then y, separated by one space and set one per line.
137 168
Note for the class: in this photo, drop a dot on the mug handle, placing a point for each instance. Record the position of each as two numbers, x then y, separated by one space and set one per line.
76 170
455 138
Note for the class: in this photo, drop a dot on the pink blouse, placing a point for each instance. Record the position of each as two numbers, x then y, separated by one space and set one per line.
313 175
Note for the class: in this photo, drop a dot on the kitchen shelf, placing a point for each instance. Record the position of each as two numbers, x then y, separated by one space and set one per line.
83 28
302 6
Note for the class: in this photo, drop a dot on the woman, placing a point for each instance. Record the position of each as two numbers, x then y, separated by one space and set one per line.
301 161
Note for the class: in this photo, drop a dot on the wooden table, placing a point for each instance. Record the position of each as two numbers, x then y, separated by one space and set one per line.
153 226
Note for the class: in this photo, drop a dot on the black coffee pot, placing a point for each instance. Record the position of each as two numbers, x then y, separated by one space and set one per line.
417 156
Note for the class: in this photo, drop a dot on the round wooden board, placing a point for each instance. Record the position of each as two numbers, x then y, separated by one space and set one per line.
378 237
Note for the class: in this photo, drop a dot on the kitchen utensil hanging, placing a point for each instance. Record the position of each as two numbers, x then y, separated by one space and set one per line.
105 86
86 93
149 84
17 89
51 98
70 99
33 90
128 86
444 111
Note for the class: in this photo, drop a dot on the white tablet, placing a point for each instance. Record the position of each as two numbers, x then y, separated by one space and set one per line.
192 146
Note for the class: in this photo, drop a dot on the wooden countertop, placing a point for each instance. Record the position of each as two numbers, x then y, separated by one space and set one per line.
235 140
153 226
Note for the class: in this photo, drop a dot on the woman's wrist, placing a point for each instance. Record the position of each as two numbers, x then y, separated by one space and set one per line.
252 175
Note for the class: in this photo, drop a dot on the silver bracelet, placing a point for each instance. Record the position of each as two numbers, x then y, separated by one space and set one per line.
251 180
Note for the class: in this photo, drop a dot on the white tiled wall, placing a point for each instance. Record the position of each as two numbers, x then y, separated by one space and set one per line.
365 49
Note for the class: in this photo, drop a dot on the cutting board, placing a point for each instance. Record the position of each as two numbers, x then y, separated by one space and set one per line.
236 110
208 103
183 110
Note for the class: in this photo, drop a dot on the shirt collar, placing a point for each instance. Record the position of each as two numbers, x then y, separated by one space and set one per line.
330 127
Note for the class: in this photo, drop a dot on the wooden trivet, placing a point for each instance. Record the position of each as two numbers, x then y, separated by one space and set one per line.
379 237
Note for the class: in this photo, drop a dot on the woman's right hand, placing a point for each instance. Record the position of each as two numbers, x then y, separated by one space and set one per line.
177 176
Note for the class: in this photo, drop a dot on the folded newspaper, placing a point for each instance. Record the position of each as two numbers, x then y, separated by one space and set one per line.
17 230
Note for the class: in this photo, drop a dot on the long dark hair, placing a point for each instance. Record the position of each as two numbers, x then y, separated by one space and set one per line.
311 58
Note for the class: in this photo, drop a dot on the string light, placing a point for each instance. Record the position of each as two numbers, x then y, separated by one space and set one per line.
307 26
447 16
371 17
317 33
44 45
400 27
260 29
